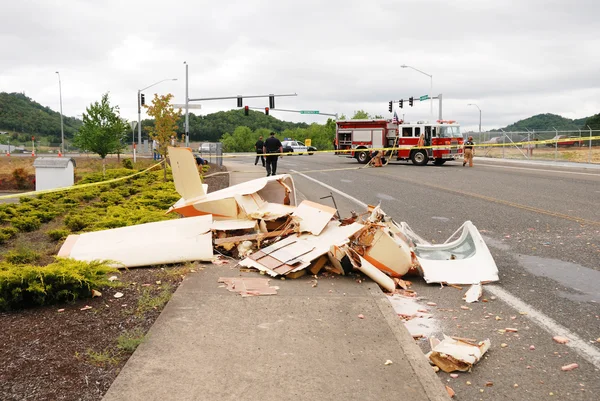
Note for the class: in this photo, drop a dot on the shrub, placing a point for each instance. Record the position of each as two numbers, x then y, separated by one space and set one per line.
7 233
20 177
26 223
22 255
111 198
44 216
58 234
77 222
62 280
127 163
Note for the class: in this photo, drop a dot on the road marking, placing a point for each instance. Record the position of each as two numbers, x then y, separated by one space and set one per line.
385 197
337 191
582 348
585 350
539 169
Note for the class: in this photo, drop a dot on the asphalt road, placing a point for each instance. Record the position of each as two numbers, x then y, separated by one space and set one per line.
542 225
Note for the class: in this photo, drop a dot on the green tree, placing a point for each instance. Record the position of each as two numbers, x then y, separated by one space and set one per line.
361 115
103 131
165 123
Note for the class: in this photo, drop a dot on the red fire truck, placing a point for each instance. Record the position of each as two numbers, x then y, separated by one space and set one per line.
355 138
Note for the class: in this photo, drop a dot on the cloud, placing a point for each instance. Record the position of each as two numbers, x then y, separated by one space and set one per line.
513 59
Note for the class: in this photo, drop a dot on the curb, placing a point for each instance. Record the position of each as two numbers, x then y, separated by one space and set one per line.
431 384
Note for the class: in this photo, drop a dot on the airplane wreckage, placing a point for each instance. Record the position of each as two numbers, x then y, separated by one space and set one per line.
260 223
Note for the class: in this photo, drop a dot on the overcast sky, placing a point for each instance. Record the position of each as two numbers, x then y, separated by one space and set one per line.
514 59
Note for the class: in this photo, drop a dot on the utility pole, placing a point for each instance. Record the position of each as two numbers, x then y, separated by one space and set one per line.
187 108
62 130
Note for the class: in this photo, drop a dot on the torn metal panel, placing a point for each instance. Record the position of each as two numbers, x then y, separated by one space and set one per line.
473 294
466 260
163 242
222 204
313 217
389 254
232 225
249 286
451 355
296 252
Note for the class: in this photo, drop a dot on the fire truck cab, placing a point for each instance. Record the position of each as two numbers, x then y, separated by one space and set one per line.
442 140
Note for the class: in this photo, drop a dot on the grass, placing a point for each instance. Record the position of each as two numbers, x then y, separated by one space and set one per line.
102 358
130 340
580 155
149 301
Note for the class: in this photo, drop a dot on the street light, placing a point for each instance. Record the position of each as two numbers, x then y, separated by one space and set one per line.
430 86
62 130
473 104
140 107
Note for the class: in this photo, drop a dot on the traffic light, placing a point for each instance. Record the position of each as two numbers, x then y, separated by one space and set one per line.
246 110
142 99
401 102
390 106
266 110
239 100
271 102
410 101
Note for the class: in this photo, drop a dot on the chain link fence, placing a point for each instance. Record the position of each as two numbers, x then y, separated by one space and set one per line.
574 146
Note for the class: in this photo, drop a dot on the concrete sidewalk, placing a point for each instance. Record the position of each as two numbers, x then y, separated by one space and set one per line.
306 343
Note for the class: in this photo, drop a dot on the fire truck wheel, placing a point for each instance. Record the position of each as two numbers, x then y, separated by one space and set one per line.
439 162
362 157
419 158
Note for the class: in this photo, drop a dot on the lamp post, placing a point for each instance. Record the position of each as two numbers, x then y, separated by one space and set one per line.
62 130
473 104
140 107
187 108
430 86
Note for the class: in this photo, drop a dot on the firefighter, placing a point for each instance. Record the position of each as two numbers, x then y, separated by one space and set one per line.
259 151
376 157
421 142
469 151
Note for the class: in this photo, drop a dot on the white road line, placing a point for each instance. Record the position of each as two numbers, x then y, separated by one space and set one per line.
583 348
580 346
539 169
337 191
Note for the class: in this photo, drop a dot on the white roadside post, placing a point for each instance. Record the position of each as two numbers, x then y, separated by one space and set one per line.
555 144
590 146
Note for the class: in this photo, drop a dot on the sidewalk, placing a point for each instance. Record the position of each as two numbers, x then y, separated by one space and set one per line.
305 343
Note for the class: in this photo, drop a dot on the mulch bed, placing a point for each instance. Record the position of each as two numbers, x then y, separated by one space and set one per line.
47 354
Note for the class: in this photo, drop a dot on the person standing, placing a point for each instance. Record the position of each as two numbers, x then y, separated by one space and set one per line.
421 141
155 155
469 152
272 145
259 151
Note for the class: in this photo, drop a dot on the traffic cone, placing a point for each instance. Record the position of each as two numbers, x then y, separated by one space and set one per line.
33 153
59 154
8 153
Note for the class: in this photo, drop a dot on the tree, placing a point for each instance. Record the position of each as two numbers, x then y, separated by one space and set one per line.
103 131
165 123
361 115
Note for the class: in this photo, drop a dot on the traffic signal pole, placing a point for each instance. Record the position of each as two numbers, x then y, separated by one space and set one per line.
297 111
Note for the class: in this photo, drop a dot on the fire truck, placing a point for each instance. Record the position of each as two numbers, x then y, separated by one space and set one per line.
355 138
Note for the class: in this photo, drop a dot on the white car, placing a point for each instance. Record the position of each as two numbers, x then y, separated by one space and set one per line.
296 147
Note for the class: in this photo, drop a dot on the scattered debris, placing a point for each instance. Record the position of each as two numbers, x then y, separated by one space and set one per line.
503 345
451 355
112 278
87 307
451 392
532 347
96 293
431 304
361 316
61 310
454 375
561 340
569 367
388 362
473 294
511 330
118 295
249 286
489 384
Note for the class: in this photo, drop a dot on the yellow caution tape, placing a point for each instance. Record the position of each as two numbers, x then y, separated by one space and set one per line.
405 147
91 184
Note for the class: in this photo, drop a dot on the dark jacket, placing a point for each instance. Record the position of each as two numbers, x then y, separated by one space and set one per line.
259 146
272 145
469 145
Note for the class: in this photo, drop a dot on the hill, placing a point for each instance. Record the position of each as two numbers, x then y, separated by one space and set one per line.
19 113
212 126
546 122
